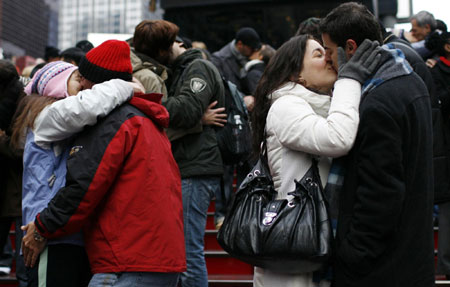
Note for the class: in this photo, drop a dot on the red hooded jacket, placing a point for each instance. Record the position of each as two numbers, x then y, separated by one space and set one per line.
123 189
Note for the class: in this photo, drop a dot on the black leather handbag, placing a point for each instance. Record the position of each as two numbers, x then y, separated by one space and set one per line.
283 236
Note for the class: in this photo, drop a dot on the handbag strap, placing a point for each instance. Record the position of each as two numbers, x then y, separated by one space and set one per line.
264 157
315 166
263 152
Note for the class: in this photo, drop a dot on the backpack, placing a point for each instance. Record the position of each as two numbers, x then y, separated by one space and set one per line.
234 139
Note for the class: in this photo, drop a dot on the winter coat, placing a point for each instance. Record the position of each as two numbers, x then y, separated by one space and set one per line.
47 144
385 233
230 64
123 188
196 83
152 75
440 153
441 76
149 72
301 123
255 69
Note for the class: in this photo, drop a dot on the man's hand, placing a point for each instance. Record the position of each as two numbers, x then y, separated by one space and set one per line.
31 247
214 117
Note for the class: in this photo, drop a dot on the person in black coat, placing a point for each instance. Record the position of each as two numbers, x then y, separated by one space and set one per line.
440 152
384 232
441 75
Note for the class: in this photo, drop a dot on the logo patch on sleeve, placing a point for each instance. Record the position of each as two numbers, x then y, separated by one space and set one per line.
197 85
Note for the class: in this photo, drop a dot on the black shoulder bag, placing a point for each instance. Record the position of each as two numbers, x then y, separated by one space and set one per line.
280 235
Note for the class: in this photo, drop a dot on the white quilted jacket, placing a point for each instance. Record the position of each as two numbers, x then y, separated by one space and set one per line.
301 122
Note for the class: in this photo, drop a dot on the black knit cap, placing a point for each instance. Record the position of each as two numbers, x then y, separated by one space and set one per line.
110 60
249 37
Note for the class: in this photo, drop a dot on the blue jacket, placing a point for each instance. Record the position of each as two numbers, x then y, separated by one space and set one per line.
44 174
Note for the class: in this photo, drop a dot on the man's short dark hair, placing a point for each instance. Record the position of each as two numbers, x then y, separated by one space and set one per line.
51 52
351 21
84 45
73 54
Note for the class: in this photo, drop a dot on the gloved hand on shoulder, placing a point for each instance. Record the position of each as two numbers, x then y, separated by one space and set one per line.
362 64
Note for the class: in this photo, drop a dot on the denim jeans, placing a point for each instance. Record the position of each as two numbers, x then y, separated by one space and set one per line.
135 279
197 195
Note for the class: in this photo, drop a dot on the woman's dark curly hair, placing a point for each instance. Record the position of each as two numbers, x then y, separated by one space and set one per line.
283 67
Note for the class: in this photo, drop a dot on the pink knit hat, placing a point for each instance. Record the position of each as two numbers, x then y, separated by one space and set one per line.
51 80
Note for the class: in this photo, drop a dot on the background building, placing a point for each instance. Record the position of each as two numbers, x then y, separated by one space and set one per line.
77 18
53 17
24 27
215 22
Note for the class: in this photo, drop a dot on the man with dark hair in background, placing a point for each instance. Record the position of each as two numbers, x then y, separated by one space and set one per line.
384 232
231 59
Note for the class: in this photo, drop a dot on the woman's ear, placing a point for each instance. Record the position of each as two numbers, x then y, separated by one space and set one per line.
350 48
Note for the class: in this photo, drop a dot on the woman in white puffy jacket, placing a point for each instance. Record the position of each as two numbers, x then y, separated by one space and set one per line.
304 110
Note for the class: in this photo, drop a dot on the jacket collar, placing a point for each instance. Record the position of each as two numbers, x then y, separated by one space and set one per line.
141 61
186 58
150 104
319 103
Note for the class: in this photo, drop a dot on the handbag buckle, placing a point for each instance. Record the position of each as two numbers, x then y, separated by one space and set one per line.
269 217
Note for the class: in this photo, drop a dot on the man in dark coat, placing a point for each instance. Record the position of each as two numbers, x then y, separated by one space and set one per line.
440 152
231 59
384 232
195 83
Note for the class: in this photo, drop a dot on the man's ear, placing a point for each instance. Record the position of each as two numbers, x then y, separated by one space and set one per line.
428 27
350 47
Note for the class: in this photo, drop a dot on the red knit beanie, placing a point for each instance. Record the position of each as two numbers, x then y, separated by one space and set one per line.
110 60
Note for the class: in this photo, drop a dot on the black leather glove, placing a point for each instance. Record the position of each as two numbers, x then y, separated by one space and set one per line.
362 64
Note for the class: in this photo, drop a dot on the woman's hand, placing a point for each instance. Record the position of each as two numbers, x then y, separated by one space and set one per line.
137 86
214 117
431 63
31 246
